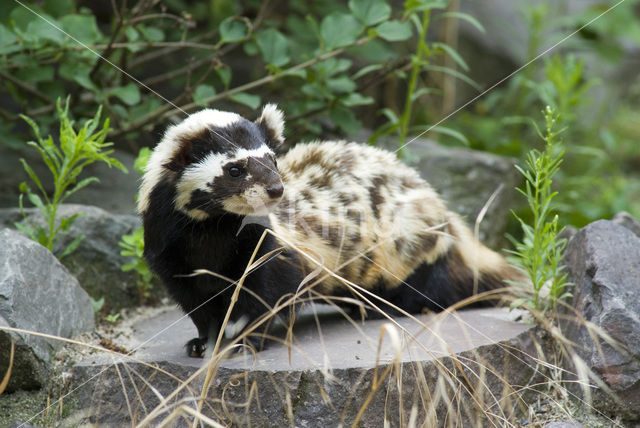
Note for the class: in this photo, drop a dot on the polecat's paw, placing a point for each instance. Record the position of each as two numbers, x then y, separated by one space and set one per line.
196 347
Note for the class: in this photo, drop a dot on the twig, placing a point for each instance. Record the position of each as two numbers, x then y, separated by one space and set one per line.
179 72
33 91
110 46
186 22
168 50
124 45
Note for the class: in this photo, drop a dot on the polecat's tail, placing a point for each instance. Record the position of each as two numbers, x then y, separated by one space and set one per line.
466 269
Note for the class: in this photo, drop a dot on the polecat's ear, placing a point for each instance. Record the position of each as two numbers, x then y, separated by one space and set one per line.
272 121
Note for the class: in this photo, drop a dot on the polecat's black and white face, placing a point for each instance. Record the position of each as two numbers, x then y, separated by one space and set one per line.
219 162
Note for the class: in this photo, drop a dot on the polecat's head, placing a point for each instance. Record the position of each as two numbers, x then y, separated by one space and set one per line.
218 162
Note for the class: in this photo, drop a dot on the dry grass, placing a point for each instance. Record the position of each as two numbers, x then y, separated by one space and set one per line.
520 382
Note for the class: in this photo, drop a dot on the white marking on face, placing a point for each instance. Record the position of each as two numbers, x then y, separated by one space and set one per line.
198 175
253 201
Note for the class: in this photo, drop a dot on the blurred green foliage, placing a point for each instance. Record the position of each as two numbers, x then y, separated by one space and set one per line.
600 175
168 58
334 67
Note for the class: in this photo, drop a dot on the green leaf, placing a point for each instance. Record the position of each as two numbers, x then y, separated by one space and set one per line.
339 29
370 12
201 94
77 71
274 47
27 230
132 34
394 31
225 75
39 30
33 176
35 73
151 34
233 29
345 119
67 222
356 99
37 202
366 70
250 48
96 304
411 6
452 53
465 17
252 101
341 85
81 27
128 94
72 246
58 8
140 164
452 133
127 266
83 183
420 92
8 41
456 74
391 116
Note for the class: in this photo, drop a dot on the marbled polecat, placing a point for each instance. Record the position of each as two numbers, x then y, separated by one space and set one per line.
357 209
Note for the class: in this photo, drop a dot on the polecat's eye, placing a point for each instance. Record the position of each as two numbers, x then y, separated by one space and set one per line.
235 171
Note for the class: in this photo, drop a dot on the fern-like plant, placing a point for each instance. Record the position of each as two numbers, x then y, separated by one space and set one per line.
65 161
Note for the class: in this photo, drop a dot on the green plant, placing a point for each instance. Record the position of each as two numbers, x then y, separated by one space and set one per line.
112 318
419 14
97 305
540 251
132 244
65 161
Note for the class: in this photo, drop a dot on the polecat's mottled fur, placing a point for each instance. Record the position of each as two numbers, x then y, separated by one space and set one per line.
360 211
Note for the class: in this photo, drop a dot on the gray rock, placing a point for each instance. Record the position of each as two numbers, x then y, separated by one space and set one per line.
627 220
37 293
466 179
603 263
115 192
96 263
563 423
326 379
20 424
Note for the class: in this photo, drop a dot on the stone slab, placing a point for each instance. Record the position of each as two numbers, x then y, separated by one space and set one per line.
332 358
336 342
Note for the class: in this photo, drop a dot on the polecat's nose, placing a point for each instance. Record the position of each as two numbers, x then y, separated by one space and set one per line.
275 191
